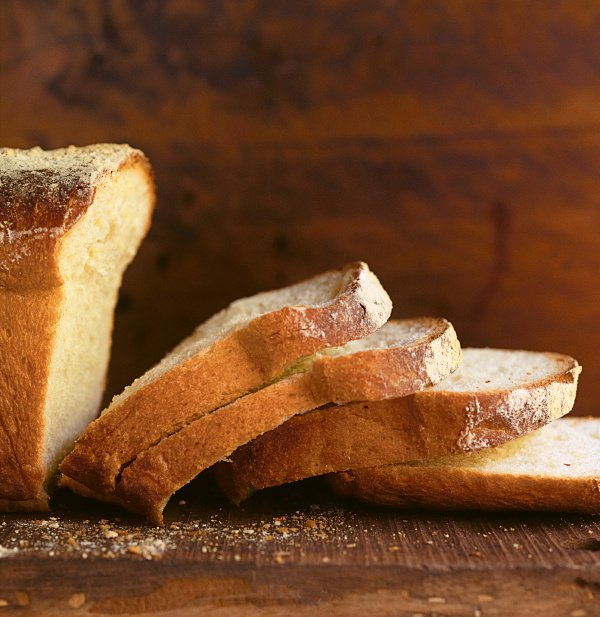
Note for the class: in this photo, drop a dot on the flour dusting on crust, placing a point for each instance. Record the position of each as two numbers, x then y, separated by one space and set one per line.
43 192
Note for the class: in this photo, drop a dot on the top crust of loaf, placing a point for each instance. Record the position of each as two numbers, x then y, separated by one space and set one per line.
44 192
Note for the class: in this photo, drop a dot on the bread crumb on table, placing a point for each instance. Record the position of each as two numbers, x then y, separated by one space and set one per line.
77 600
21 598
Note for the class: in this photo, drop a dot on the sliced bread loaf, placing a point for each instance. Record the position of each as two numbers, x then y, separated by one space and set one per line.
493 397
554 468
239 349
400 358
70 222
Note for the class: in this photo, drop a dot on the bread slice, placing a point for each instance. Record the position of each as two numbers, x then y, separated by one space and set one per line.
401 357
239 349
554 468
70 222
493 397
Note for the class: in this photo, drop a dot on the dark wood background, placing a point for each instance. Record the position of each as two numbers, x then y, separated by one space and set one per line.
455 146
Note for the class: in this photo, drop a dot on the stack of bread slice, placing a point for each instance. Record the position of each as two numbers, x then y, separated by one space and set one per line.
468 442
325 341
307 380
494 397
313 379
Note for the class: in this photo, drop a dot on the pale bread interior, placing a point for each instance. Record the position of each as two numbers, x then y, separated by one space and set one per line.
93 255
566 448
395 333
439 358
318 291
501 369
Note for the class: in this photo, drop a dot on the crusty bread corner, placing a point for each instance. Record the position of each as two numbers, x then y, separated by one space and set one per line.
275 340
561 472
43 193
429 423
55 222
242 348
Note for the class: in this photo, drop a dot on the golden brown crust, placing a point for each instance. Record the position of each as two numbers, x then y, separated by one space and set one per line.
423 425
235 364
147 483
50 189
155 474
26 353
42 195
459 489
391 372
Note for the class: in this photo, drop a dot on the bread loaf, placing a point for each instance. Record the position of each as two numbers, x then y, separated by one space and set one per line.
71 220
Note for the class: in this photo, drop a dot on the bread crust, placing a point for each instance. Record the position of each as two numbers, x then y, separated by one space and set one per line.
423 425
26 353
154 475
240 361
42 196
459 488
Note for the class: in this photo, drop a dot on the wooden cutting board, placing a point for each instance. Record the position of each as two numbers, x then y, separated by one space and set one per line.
296 550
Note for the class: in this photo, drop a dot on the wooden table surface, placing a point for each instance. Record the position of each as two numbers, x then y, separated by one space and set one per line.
296 550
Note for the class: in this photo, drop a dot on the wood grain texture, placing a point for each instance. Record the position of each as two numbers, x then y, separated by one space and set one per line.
455 146
297 550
